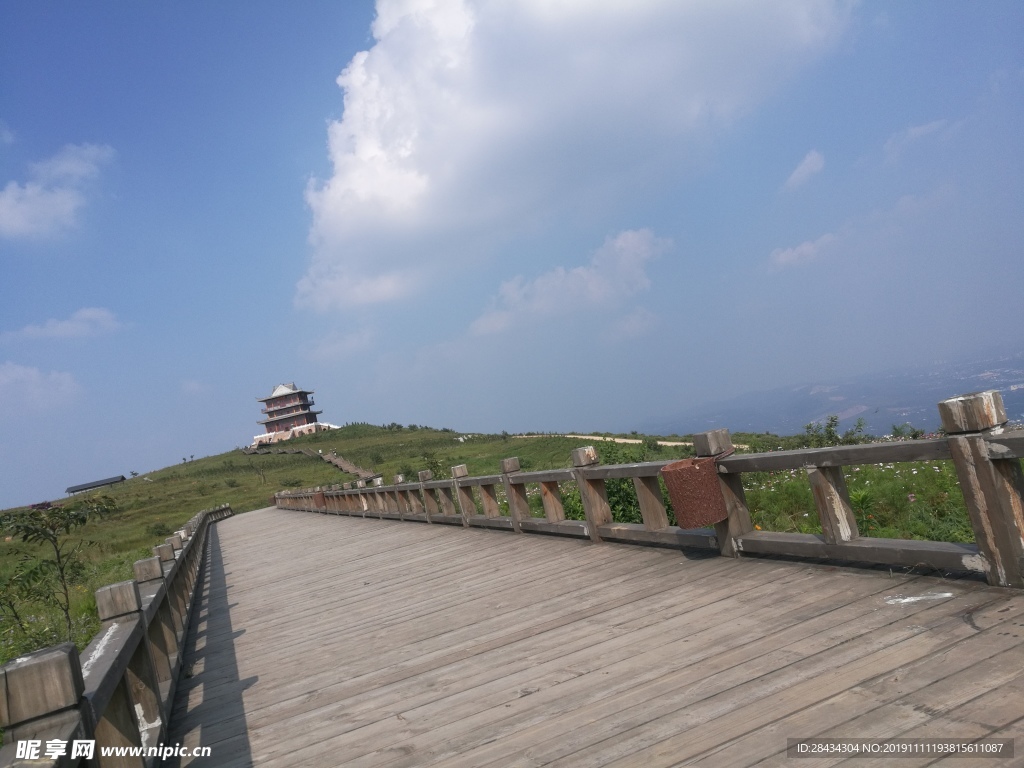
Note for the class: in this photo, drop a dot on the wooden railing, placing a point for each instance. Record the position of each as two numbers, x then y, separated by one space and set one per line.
119 693
985 456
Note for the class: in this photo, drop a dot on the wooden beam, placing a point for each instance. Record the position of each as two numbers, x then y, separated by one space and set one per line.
489 500
895 552
551 498
839 456
652 508
833 502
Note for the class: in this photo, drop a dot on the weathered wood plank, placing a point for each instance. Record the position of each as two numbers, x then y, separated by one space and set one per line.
405 645
652 508
832 500
841 456
897 552
551 498
669 536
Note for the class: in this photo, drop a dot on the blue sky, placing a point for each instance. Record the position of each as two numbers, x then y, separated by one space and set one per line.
527 215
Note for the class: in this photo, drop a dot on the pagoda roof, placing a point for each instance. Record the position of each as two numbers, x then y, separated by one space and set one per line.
285 389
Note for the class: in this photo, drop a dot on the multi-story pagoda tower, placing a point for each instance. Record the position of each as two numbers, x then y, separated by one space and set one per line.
288 407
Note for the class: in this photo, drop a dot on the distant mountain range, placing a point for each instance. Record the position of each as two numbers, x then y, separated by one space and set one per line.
882 400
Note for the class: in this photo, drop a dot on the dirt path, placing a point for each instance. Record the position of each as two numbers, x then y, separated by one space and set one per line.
602 438
631 440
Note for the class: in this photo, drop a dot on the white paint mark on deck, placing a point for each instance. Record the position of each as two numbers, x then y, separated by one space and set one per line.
901 600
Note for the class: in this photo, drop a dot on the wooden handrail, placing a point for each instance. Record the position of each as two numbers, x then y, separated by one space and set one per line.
986 460
120 691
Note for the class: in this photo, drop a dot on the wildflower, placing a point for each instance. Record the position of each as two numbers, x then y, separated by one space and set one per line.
758 527
911 498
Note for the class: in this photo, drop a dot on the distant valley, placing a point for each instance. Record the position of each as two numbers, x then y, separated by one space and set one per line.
882 400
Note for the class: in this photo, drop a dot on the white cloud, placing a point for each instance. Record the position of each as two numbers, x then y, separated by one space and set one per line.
633 325
50 200
807 251
34 390
812 163
89 321
467 120
337 346
900 141
328 285
616 271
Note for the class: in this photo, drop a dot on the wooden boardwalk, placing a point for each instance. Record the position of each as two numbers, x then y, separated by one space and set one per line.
329 641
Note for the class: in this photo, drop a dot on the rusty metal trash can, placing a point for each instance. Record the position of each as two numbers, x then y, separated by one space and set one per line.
695 492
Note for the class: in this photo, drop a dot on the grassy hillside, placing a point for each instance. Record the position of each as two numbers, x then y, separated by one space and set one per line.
901 501
152 506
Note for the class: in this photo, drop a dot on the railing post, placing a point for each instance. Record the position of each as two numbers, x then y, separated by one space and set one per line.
122 602
429 501
177 586
360 487
993 488
401 496
515 493
41 696
592 492
378 497
738 522
163 645
166 554
463 495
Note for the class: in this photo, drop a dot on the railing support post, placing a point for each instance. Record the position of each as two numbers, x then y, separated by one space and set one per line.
592 492
828 485
160 637
401 496
429 502
551 498
463 495
137 701
993 488
652 508
715 443
515 494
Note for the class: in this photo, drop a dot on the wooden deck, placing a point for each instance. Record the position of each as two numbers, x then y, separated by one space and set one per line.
328 641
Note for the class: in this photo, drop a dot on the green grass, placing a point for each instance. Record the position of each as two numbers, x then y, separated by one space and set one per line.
912 501
919 500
